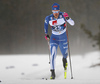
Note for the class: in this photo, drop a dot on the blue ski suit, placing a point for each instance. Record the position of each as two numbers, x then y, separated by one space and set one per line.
58 37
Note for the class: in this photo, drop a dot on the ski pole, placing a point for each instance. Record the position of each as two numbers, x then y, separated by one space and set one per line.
49 48
70 62
69 52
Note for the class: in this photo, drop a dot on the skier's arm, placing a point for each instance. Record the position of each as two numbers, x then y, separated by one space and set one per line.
68 19
46 23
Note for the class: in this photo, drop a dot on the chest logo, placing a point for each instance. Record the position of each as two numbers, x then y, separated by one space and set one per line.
54 22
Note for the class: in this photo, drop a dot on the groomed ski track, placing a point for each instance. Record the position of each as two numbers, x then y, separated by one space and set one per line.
30 69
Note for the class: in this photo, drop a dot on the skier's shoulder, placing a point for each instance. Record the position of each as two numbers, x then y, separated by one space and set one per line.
61 13
48 17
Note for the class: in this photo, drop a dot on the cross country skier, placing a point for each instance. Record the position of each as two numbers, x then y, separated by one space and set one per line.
57 21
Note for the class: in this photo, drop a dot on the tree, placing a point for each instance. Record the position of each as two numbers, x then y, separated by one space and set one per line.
95 37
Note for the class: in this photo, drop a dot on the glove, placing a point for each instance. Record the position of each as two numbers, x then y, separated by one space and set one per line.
47 37
66 15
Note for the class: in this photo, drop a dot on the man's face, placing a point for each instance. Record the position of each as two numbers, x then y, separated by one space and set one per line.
55 13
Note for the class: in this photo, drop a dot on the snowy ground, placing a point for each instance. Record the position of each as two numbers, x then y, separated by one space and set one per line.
30 69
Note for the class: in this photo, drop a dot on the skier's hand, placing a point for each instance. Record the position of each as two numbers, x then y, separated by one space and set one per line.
47 37
66 15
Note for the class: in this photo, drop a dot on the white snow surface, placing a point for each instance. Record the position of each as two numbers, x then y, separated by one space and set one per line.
30 69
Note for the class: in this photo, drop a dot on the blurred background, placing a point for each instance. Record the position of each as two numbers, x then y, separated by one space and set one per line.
22 25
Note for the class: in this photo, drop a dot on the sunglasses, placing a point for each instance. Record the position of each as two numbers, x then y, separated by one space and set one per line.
55 11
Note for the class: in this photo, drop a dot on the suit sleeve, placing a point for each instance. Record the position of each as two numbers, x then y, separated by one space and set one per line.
46 23
68 19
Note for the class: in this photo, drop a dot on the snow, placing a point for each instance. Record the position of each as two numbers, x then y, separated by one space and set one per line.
30 69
